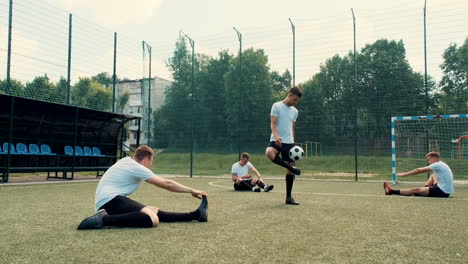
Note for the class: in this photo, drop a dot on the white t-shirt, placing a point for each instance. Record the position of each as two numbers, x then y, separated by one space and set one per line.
443 175
241 170
286 116
122 178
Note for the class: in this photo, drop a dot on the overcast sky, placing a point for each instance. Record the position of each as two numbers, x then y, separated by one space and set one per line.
323 29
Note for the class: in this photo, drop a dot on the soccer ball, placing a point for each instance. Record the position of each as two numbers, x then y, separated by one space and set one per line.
296 153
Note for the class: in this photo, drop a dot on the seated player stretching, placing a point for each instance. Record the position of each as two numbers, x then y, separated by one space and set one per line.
243 181
114 207
439 184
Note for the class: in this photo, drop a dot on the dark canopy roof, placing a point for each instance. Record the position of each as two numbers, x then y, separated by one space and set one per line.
58 125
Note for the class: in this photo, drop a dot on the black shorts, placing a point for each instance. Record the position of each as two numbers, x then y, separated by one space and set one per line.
242 187
121 205
435 191
284 150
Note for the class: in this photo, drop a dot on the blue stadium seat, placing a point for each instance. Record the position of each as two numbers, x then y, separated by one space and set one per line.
97 152
34 149
1 151
21 148
87 151
12 148
78 151
45 150
68 151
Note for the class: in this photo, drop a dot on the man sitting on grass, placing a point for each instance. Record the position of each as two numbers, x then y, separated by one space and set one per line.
439 184
122 179
243 181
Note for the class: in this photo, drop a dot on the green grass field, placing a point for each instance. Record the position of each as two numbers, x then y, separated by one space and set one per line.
318 167
337 222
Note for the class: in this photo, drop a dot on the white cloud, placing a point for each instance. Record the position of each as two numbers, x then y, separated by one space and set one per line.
112 12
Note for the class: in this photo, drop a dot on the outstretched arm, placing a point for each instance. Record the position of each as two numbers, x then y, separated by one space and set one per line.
415 171
274 130
173 186
256 172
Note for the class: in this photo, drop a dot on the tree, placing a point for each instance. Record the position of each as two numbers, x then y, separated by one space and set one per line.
122 101
103 78
251 95
91 94
280 84
17 88
211 99
41 89
173 120
454 83
61 91
387 86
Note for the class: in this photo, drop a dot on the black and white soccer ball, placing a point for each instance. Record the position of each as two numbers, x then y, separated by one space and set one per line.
296 153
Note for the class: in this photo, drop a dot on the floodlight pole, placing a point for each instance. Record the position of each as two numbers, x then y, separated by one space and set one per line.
355 101
70 23
294 51
10 23
192 44
425 61
425 80
239 36
114 72
148 47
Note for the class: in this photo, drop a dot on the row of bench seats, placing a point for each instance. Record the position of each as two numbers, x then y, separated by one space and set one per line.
22 149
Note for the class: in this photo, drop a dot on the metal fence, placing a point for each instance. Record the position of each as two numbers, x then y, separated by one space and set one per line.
357 68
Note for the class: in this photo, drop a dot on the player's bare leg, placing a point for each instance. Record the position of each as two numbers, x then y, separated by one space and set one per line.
273 155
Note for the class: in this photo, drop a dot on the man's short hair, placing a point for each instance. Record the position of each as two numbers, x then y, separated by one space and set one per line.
295 91
143 152
433 154
245 155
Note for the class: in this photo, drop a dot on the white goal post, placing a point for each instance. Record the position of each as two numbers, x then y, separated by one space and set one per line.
414 136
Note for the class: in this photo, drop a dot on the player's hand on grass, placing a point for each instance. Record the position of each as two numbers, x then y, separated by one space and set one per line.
197 194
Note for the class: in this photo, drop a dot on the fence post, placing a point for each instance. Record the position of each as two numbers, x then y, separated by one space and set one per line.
69 58
10 23
113 74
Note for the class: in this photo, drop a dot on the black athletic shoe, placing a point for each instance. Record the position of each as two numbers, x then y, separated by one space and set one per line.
268 188
256 190
203 209
296 171
93 222
290 200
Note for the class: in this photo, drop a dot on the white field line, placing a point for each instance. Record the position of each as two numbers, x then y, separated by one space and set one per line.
214 183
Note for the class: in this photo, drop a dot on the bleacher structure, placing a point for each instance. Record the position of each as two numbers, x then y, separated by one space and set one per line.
38 136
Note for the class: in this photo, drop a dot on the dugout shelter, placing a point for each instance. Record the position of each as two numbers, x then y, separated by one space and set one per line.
40 133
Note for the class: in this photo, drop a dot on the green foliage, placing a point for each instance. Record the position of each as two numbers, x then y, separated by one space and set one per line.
122 101
17 88
251 94
41 89
91 94
103 78
454 83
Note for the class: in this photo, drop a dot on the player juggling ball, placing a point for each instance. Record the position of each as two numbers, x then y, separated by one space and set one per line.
115 208
282 123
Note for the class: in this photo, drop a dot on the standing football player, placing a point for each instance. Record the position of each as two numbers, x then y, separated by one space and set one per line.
282 123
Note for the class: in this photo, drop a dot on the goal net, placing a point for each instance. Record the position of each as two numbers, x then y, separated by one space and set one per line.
414 136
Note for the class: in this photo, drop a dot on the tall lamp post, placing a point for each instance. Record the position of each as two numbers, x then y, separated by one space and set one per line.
355 101
294 51
192 44
148 48
239 36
